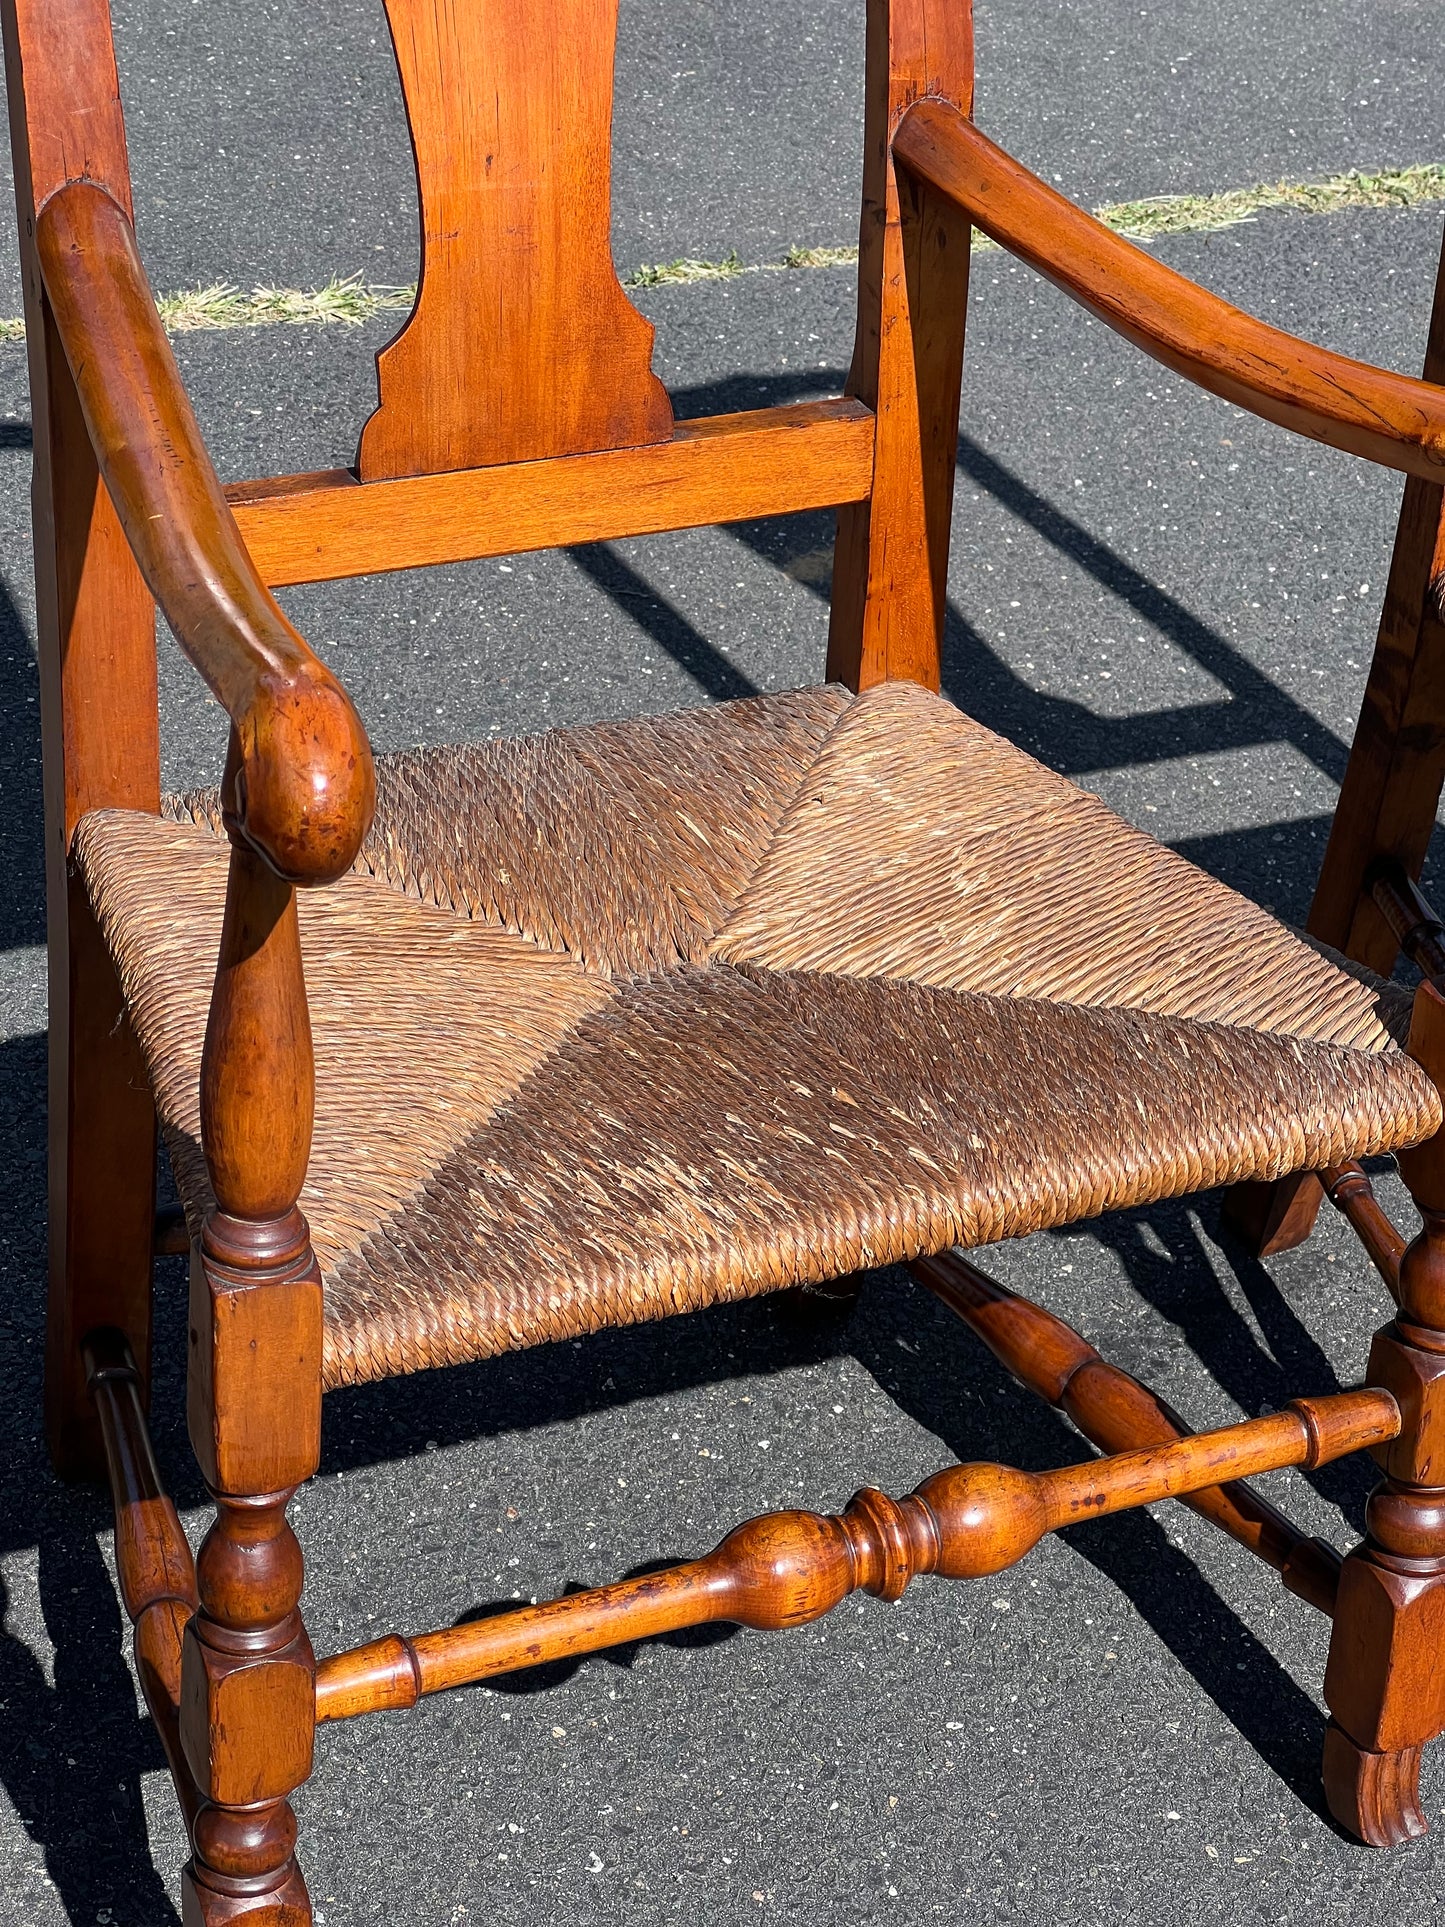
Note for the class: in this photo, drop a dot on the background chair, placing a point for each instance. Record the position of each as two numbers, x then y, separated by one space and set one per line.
697 1007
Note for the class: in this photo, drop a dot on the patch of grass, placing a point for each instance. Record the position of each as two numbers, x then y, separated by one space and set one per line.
820 257
664 273
1206 213
347 300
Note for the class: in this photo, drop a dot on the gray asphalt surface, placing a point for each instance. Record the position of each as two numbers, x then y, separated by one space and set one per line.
1172 603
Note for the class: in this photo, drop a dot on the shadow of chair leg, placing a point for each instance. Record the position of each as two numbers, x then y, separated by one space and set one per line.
72 1754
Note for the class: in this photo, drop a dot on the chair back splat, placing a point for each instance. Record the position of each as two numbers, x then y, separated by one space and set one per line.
522 343
523 349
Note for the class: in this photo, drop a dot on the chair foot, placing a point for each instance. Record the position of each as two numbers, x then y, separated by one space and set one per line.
206 1905
1375 1796
1269 1218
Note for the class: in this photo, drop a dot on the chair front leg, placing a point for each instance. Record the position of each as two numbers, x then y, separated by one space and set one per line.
1385 1682
248 1672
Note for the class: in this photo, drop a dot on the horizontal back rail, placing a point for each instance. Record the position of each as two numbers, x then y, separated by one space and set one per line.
722 468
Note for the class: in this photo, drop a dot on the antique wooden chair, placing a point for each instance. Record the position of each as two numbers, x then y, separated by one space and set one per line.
629 1019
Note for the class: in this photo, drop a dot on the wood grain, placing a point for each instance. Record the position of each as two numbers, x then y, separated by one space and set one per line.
153 1559
522 343
891 560
1349 1189
1384 1684
254 1408
723 468
1116 1412
65 115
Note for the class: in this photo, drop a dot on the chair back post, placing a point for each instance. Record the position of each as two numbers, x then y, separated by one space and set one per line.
1390 793
247 1713
97 667
1393 780
891 558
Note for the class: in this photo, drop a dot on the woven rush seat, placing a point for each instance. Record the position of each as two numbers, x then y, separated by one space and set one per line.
628 1019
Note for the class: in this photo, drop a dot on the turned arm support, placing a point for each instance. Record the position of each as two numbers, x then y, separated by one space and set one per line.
299 786
1388 418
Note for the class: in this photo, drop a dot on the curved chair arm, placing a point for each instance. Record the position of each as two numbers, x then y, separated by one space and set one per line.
300 786
1388 418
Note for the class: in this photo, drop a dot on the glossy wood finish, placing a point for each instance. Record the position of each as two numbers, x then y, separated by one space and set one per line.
891 559
518 408
254 1403
522 343
97 671
724 468
788 1568
303 791
1116 1412
1384 1685
1390 419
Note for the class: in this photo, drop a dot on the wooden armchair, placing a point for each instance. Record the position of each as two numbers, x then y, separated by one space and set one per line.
625 1020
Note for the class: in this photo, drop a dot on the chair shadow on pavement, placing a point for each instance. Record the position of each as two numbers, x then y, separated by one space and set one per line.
72 1754
971 1405
73 1740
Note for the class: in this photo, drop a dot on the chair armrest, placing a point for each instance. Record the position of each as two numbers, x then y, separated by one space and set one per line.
299 786
1388 418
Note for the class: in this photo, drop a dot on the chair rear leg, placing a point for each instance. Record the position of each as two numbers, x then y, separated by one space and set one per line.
1390 793
96 652
1385 1683
102 1183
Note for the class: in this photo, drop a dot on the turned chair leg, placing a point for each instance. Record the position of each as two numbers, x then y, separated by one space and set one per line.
248 1702
1385 1682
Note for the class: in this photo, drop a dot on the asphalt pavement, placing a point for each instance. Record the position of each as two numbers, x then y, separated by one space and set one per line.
1150 591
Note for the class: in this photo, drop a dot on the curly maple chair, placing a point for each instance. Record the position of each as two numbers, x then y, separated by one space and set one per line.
624 1020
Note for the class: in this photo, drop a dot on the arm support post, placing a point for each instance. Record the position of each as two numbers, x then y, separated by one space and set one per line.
247 1692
